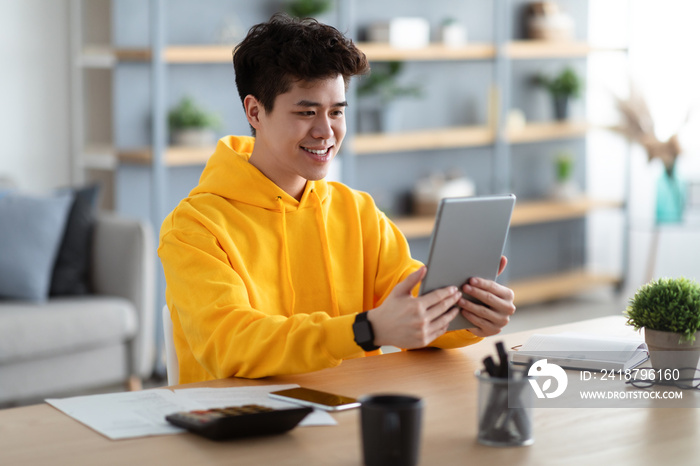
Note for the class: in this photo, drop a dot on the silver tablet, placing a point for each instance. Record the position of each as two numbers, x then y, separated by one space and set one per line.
467 241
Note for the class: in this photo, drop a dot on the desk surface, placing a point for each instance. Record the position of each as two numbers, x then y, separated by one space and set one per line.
41 434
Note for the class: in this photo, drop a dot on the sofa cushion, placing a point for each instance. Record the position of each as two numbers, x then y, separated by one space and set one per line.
70 271
63 325
30 233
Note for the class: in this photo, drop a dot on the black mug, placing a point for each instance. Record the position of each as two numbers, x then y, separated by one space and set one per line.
391 429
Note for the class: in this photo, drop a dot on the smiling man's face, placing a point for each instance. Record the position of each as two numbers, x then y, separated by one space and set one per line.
299 138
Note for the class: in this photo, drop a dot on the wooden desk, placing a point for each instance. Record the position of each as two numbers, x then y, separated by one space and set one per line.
445 379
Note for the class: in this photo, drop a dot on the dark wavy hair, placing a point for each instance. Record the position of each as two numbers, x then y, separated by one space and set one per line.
283 50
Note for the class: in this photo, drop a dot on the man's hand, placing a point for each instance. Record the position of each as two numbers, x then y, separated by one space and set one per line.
406 321
494 314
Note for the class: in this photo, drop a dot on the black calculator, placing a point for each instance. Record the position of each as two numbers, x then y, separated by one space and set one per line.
238 421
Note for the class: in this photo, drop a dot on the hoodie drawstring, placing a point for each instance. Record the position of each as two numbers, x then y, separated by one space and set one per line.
323 233
287 264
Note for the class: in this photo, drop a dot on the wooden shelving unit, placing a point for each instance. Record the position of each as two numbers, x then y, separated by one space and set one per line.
561 285
501 53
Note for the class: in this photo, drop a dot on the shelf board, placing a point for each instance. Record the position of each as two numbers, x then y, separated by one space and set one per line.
415 227
180 54
525 213
533 49
376 51
526 49
561 285
534 212
441 138
546 131
199 54
174 156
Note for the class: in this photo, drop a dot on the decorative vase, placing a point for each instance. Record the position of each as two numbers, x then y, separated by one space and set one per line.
668 351
670 198
380 119
390 118
561 107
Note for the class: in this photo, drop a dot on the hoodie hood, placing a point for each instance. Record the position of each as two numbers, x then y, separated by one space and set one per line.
229 174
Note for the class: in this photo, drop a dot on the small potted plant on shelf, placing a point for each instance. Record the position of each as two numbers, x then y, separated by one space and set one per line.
190 125
378 93
669 311
565 187
307 8
562 87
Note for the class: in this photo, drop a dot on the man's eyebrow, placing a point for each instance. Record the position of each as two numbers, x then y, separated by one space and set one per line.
309 103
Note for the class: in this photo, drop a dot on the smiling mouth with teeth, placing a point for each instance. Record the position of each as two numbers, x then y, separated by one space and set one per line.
317 152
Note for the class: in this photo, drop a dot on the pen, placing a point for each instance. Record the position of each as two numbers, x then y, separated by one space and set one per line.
503 359
490 366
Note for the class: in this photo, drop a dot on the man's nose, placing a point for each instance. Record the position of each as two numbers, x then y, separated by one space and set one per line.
322 128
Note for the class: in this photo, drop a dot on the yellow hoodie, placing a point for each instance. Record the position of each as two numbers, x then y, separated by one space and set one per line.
260 284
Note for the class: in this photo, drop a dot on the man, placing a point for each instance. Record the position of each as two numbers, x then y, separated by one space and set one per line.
272 270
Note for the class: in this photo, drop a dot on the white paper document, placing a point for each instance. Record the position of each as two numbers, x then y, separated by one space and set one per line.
139 414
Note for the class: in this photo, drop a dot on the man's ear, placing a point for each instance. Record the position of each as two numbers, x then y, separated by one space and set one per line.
253 108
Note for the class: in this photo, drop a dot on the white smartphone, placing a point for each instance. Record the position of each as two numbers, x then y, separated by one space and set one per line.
316 399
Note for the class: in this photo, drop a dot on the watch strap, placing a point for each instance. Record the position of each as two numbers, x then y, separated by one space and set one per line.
364 333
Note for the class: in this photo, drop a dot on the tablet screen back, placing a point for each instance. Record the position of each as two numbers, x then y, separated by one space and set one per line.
468 241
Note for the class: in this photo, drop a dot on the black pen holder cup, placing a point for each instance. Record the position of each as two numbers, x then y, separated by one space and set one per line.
504 411
391 429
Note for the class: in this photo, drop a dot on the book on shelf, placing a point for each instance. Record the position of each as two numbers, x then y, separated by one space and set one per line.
583 352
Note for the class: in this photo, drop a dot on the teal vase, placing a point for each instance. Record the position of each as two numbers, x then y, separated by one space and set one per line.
670 198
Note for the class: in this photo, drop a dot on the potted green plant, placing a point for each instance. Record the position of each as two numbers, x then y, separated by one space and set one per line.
307 8
562 87
669 311
565 186
378 92
190 125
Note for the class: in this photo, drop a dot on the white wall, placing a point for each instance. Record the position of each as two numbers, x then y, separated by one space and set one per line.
662 38
34 93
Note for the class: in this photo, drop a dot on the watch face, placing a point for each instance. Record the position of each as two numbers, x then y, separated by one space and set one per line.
362 332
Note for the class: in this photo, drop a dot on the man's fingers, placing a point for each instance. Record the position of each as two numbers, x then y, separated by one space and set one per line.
410 282
485 290
502 264
440 301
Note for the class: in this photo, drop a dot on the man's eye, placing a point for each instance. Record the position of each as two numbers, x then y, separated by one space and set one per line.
307 113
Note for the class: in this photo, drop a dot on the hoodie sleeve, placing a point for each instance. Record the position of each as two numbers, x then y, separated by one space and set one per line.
225 335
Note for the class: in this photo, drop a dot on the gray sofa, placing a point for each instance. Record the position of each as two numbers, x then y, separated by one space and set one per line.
68 344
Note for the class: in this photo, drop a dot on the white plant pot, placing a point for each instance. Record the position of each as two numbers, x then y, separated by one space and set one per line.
453 35
194 137
668 351
566 191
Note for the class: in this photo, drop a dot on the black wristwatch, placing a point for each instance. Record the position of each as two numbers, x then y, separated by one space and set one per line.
364 334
